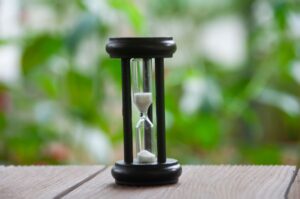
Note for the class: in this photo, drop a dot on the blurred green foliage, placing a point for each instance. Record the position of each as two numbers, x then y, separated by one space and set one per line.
56 91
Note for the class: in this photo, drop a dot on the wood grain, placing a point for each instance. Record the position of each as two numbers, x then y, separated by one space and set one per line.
294 192
207 182
41 181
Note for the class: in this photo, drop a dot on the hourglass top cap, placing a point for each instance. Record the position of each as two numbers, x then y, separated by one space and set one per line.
140 47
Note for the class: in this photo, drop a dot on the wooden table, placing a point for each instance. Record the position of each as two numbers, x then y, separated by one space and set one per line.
266 182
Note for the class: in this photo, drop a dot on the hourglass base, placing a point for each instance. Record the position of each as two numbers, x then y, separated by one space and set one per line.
136 174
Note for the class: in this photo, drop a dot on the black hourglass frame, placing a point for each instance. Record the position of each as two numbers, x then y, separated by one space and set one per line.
165 170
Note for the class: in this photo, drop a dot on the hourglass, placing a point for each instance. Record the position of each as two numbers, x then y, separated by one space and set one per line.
149 165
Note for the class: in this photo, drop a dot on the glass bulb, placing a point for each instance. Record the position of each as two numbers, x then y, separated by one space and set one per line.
142 98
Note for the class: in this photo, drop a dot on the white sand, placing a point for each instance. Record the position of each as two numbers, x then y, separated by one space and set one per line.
145 156
142 101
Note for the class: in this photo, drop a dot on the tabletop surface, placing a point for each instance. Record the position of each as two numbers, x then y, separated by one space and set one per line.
207 182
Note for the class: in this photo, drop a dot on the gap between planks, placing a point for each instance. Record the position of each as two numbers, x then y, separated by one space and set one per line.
75 186
293 191
25 182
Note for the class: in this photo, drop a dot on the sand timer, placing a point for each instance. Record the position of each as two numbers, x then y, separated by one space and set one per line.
149 164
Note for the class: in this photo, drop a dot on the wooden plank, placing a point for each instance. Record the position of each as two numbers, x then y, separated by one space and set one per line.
294 192
42 181
199 182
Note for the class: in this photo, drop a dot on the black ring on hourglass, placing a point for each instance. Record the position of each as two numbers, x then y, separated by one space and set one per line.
140 47
150 174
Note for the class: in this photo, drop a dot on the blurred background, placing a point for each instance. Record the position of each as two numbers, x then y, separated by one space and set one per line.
232 87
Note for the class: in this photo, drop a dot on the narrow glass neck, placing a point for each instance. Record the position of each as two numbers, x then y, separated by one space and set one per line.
144 114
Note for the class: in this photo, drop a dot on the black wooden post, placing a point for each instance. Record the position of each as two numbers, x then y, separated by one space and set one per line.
126 108
160 110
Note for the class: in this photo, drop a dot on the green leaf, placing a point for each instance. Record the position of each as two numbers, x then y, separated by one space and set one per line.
38 52
202 131
207 131
80 96
281 11
112 68
48 84
87 24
